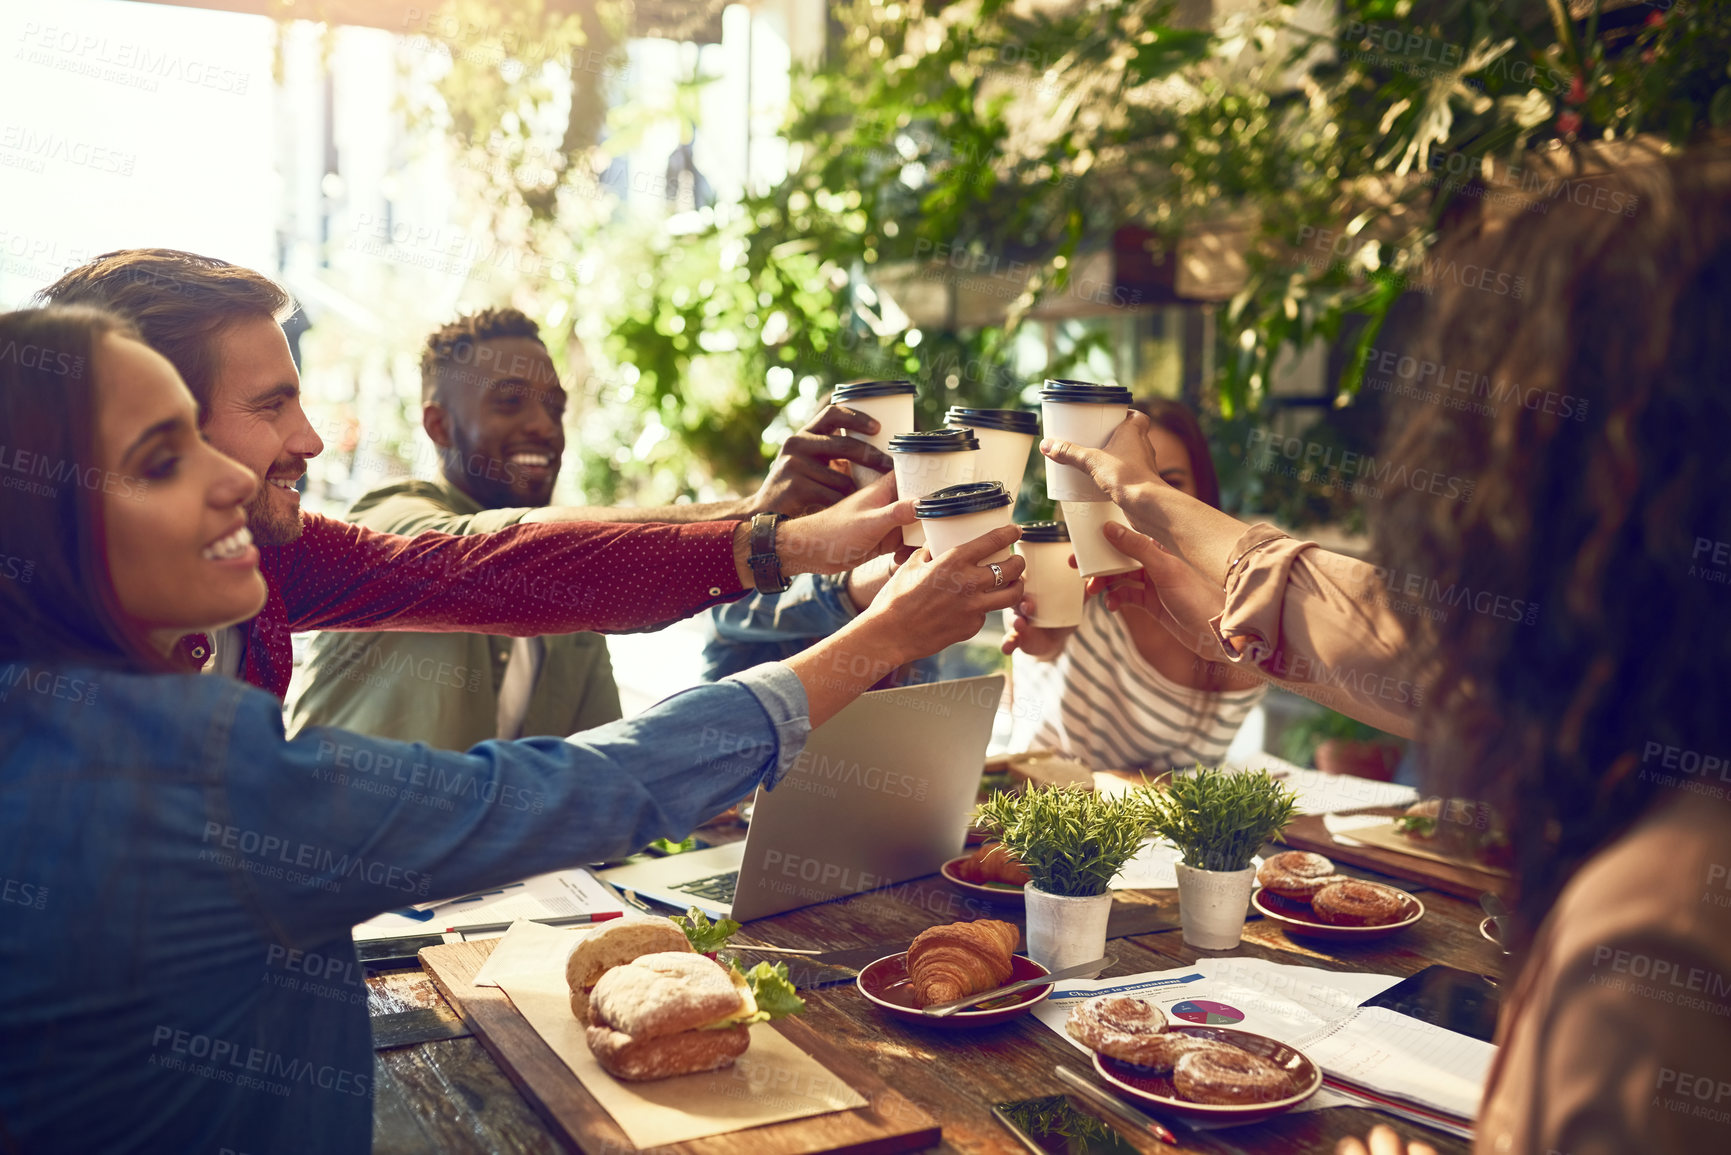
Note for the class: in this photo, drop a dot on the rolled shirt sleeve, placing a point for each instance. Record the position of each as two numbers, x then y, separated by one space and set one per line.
1303 615
782 695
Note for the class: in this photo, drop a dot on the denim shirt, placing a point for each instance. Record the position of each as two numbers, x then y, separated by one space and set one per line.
179 882
772 627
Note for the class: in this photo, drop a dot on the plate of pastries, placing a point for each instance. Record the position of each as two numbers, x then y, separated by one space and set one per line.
950 962
1209 1073
991 872
1301 892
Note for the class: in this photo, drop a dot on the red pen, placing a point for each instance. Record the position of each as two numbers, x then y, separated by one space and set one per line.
566 920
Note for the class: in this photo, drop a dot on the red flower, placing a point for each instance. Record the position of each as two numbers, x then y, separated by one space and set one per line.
1569 122
1577 91
1655 19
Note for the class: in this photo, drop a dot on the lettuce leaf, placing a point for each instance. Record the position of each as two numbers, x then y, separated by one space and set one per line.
704 936
770 986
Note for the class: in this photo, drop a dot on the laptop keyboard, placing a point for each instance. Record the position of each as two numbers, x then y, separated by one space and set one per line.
716 888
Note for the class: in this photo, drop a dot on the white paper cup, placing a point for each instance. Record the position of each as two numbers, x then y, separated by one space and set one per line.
920 474
944 533
1095 556
1083 414
1056 587
894 412
1004 452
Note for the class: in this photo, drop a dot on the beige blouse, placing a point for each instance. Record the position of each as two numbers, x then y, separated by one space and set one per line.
1616 1036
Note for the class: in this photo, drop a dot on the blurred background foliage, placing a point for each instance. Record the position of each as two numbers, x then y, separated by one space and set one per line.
975 133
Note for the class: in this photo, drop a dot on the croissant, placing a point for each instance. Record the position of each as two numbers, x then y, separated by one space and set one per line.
960 959
992 862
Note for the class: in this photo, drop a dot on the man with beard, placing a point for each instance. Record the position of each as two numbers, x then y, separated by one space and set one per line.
489 394
556 570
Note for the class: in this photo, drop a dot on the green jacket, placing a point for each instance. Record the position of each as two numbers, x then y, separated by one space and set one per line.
443 689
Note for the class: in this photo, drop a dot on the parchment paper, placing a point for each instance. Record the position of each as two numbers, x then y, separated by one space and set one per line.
771 1082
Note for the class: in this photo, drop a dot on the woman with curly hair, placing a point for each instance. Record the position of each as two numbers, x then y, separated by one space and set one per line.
1594 724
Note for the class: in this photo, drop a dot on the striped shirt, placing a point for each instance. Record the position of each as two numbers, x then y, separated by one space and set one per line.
1101 703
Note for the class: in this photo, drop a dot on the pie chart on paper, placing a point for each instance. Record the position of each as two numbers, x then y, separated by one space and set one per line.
1207 1012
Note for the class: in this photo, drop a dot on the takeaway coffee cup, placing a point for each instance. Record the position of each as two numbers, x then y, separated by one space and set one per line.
1006 436
1095 557
959 514
930 461
1085 414
1056 587
890 402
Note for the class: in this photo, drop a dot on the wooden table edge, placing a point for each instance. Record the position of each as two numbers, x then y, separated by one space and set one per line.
883 1102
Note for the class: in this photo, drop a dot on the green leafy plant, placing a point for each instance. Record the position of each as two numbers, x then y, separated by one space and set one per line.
1219 818
1071 841
704 936
1301 739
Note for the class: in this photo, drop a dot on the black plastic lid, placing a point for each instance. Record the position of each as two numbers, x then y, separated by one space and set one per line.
1045 531
1084 393
858 390
1009 420
934 441
962 499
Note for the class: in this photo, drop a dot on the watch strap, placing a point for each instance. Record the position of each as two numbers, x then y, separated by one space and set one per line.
764 562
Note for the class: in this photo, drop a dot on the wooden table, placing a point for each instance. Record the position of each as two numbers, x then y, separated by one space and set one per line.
450 1096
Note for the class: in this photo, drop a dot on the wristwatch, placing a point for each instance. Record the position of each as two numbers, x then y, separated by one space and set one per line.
765 565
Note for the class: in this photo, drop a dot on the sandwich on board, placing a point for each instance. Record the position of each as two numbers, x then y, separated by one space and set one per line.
654 1008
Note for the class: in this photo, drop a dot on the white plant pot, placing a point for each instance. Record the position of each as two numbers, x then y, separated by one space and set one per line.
1212 905
1065 930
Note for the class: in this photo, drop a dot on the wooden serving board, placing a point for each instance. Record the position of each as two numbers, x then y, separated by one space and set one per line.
1449 876
888 1123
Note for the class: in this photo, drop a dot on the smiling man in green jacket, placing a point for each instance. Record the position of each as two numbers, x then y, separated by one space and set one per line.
493 405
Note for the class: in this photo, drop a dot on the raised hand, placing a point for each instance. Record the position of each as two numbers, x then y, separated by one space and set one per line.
803 479
855 529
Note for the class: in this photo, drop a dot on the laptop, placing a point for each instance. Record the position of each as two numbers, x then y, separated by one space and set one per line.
882 793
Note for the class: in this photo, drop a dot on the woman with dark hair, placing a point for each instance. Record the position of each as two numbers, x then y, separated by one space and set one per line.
1119 691
174 866
1598 725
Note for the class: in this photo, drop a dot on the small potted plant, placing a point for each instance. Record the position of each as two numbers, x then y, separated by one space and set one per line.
1218 819
1071 841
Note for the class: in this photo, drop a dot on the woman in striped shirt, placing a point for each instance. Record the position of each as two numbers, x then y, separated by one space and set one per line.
1119 691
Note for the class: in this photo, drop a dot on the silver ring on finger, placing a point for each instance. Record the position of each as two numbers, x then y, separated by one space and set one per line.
997 575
